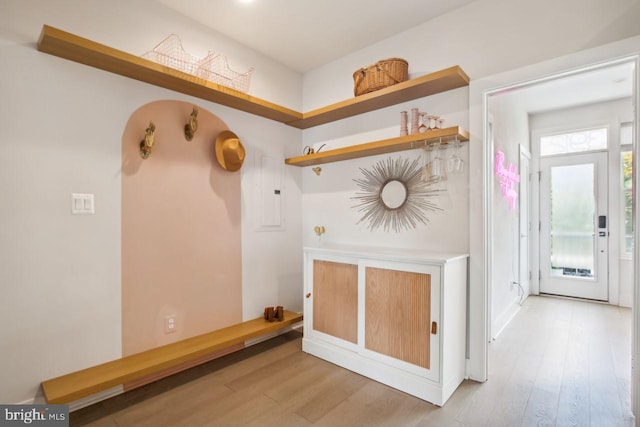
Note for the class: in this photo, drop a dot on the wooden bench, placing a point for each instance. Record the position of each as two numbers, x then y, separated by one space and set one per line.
76 385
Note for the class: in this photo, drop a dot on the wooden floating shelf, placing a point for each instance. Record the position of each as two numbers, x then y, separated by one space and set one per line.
84 51
430 84
381 147
78 49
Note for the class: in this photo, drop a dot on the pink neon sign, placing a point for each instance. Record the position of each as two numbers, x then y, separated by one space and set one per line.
508 176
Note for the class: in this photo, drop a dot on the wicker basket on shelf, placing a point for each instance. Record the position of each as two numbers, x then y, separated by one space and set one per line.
383 73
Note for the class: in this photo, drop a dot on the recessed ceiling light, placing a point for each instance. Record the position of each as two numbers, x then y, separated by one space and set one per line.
245 1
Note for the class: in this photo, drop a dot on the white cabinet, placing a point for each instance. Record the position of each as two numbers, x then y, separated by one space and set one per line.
398 317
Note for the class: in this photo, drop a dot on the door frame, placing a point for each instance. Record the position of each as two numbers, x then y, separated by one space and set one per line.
481 183
525 203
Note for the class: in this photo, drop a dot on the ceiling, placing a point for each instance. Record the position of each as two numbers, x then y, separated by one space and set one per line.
582 88
306 34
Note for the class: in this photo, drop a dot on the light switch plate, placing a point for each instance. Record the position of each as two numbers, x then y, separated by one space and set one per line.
82 204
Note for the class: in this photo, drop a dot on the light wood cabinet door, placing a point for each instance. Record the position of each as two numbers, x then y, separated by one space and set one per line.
335 299
398 315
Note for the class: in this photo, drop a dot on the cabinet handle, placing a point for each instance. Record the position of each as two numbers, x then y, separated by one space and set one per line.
308 295
434 328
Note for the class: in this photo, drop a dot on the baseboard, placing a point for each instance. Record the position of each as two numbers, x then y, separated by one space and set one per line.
504 318
399 379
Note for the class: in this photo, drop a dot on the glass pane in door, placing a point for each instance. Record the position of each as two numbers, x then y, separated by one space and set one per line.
574 142
572 219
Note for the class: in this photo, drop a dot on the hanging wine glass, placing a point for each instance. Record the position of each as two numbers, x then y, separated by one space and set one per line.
425 175
437 169
455 164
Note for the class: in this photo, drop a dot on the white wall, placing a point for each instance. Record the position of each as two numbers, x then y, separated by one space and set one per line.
610 114
272 260
328 198
510 123
61 126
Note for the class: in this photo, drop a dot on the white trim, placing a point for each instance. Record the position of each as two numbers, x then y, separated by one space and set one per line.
526 153
386 374
635 342
487 184
505 317
622 148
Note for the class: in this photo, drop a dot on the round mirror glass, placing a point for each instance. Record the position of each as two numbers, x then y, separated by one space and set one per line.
393 194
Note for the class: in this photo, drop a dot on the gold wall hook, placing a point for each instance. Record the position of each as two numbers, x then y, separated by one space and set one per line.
317 170
192 126
319 229
310 150
147 143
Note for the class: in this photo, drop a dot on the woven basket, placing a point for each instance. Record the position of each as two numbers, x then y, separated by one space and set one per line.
383 73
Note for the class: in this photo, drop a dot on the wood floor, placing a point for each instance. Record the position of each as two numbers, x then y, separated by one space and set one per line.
559 362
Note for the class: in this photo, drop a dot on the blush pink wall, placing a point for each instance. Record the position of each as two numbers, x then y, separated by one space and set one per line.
181 247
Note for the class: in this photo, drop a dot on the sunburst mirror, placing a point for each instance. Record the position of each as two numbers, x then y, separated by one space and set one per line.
393 196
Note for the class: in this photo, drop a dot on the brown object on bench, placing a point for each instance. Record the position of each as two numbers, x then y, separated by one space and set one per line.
273 313
76 385
269 314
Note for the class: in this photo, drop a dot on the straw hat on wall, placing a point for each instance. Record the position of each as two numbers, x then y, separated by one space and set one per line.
229 151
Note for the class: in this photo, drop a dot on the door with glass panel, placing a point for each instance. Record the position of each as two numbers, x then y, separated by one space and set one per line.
573 225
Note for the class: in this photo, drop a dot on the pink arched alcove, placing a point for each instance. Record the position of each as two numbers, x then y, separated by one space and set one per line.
181 247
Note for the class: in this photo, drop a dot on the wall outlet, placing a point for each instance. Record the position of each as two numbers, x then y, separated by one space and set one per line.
170 324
